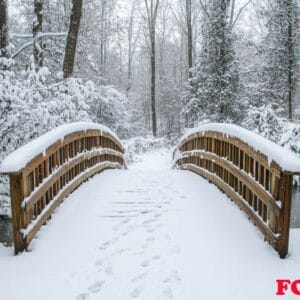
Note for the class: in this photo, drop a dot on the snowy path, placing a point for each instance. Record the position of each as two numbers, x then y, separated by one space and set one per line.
147 233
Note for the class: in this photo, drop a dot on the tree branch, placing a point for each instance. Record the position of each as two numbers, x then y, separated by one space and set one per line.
204 9
239 13
38 37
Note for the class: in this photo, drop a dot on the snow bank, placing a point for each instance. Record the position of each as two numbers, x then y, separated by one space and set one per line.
18 159
284 157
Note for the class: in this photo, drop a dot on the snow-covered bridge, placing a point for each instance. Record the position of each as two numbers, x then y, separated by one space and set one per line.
149 231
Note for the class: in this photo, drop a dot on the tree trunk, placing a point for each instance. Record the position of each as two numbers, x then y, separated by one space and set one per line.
103 37
222 63
37 29
153 87
152 9
291 25
70 51
129 72
3 28
231 12
189 35
130 50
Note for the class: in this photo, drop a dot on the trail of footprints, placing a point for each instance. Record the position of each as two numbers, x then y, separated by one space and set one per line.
154 211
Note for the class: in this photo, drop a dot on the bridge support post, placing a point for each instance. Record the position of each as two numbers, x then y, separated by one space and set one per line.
17 196
285 191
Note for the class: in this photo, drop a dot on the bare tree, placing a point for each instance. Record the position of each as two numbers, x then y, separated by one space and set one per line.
132 43
103 37
70 51
37 29
3 28
151 10
189 35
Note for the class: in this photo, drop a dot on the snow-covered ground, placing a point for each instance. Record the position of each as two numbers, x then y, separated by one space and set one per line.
148 232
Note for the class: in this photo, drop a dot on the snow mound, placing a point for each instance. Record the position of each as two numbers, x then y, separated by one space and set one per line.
18 159
289 161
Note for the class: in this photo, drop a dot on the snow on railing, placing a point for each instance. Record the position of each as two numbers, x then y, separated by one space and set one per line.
17 160
45 171
252 171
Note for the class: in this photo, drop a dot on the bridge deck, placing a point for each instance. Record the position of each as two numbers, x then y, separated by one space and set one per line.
147 233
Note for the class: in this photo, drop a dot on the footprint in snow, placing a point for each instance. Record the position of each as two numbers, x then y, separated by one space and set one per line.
149 221
120 251
104 245
138 253
98 264
108 243
109 270
167 237
139 277
150 239
136 292
156 257
174 276
145 263
145 246
96 287
82 297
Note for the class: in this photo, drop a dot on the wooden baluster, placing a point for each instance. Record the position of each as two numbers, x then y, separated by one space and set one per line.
17 194
285 214
273 220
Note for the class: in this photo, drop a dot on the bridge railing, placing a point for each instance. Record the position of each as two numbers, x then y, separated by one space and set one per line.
45 171
252 171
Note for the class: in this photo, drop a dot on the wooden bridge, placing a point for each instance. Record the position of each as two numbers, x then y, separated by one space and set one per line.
258 184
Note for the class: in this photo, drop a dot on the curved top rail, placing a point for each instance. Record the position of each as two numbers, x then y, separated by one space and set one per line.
286 159
17 160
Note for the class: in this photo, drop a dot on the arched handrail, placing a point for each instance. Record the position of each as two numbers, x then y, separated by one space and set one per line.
46 170
252 171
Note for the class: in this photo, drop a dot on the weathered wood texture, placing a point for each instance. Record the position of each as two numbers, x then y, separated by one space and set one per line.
48 179
259 187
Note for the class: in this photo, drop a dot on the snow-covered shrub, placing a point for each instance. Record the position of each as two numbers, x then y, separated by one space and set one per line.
139 145
265 121
109 107
31 106
291 140
291 137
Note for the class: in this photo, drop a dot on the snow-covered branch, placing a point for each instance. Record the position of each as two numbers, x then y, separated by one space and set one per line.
38 37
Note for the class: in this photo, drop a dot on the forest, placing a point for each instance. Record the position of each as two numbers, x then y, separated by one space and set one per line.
148 69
